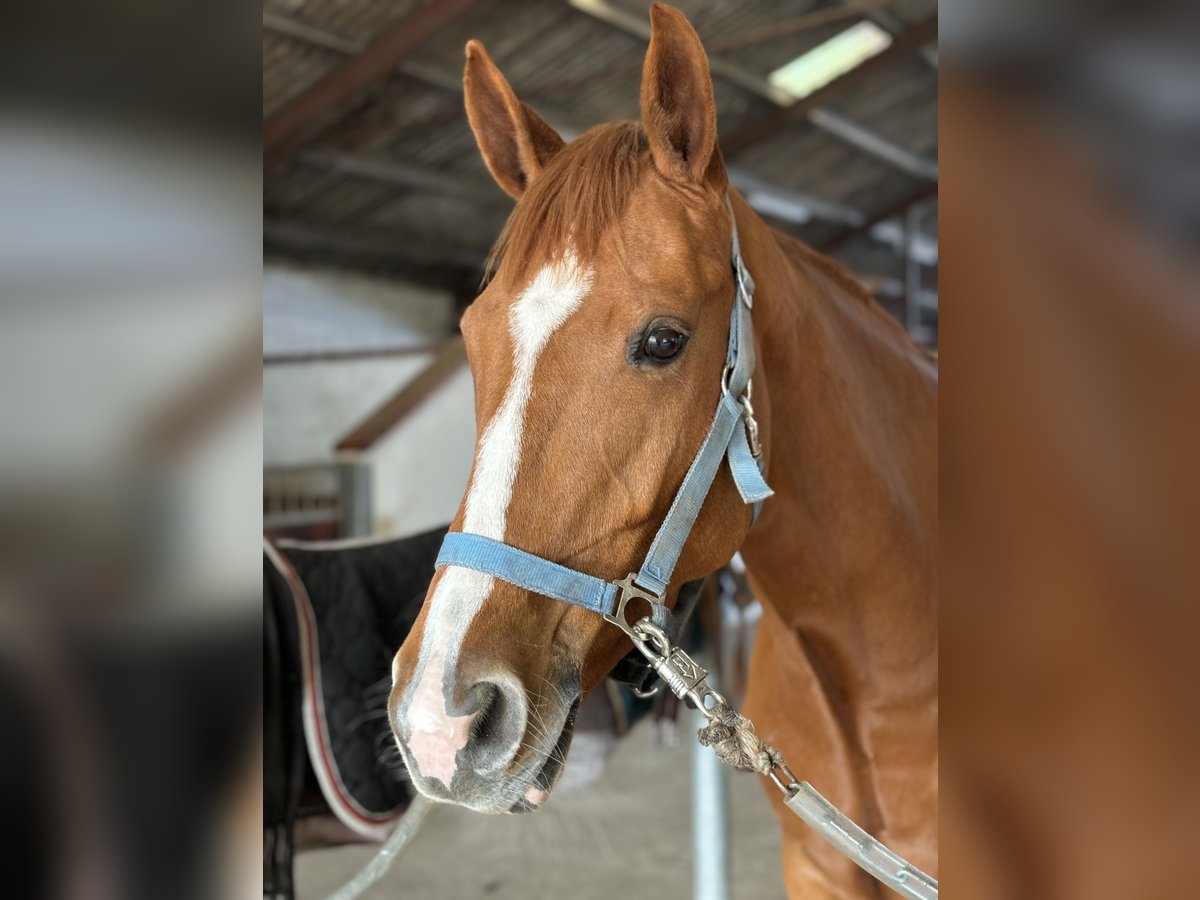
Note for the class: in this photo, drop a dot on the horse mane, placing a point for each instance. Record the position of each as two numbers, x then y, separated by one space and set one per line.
827 266
841 277
582 191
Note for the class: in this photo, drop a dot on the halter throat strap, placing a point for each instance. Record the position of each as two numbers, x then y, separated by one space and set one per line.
732 436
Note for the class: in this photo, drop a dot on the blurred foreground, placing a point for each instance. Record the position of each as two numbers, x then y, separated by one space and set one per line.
130 446
1070 438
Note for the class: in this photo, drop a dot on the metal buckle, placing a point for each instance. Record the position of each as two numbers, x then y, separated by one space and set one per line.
627 589
742 276
751 423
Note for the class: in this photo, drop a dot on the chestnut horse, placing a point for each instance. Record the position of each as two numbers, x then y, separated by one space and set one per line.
597 350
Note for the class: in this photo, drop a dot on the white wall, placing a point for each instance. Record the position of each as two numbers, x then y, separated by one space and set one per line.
325 310
420 469
308 407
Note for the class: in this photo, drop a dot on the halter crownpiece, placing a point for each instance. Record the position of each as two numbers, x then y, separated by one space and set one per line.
725 440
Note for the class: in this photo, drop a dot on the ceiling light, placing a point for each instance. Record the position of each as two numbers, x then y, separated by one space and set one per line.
825 62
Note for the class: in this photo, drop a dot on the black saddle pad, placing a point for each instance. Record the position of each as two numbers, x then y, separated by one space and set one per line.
354 604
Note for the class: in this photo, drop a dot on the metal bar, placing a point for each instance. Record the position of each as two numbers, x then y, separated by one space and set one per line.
920 248
871 143
790 205
355 485
910 42
897 208
912 271
710 820
307 357
287 125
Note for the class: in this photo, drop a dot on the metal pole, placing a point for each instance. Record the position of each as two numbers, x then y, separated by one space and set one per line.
710 821
355 478
912 272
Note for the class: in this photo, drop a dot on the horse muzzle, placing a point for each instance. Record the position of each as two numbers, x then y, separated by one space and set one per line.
501 749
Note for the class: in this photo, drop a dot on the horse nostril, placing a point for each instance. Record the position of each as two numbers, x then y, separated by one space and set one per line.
499 723
486 695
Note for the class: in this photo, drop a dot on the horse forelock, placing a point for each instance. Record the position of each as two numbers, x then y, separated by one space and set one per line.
582 192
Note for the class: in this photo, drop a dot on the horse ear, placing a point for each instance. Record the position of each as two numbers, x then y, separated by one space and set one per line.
515 141
678 109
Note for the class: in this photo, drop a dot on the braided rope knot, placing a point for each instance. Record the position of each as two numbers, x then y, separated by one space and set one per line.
732 738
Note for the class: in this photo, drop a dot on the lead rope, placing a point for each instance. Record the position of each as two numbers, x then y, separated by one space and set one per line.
395 845
733 739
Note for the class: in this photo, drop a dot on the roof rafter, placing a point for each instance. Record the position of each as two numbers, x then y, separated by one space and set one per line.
287 125
376 167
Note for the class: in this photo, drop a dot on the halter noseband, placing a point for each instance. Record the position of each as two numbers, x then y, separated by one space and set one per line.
725 440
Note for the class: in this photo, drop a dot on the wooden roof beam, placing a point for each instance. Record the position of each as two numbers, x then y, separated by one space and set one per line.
301 238
296 118
376 167
449 359
281 24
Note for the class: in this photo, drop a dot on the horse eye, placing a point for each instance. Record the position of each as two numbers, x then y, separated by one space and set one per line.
662 343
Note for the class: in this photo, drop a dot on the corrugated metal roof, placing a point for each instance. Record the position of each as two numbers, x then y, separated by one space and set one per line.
577 71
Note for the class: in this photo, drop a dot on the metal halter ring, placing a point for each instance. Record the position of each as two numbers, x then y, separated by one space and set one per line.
628 589
725 380
744 399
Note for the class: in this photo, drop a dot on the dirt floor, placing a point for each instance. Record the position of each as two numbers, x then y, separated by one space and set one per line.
627 834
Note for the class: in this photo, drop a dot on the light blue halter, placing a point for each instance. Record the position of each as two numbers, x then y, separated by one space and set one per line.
733 436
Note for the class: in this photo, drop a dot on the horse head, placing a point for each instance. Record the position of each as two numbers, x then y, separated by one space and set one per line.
597 351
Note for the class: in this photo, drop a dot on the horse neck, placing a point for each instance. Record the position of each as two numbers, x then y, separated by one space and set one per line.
845 553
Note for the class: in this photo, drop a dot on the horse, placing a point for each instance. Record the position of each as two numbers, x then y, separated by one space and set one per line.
597 347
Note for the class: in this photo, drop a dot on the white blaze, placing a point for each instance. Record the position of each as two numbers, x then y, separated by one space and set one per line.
435 736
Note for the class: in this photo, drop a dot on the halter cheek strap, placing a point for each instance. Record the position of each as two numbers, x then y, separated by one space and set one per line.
733 436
